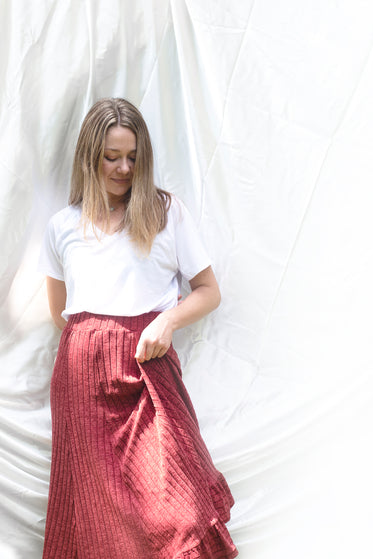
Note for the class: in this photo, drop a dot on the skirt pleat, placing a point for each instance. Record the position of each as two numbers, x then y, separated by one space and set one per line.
131 477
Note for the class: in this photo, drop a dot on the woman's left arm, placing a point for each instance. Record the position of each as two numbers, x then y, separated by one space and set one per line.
157 336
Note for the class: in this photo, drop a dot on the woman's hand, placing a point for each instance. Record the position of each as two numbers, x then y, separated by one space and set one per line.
155 339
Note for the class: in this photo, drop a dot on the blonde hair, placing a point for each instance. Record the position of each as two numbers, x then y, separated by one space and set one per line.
146 209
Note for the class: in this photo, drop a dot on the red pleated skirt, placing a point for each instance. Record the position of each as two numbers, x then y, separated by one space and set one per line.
131 477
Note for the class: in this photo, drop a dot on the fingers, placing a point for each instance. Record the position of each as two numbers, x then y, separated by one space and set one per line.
146 351
155 339
141 354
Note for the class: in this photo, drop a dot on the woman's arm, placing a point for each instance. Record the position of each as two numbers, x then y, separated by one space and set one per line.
56 290
204 298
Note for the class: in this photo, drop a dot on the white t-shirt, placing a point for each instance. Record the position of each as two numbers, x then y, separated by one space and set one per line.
109 276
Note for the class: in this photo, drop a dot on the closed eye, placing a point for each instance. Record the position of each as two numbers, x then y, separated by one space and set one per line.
109 159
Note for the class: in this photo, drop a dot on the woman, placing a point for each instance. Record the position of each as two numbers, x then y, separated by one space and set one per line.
131 477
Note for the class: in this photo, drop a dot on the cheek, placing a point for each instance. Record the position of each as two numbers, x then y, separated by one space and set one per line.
106 168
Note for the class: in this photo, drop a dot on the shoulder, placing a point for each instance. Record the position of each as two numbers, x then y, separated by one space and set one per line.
177 209
69 212
64 218
178 215
62 223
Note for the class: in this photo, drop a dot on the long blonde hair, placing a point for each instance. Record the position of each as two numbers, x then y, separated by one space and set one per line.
146 205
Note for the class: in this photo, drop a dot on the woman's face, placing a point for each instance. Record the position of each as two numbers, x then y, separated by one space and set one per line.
119 161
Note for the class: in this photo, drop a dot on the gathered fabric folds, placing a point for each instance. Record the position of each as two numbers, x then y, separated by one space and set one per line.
131 476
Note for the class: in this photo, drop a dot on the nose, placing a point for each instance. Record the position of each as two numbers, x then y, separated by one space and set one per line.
123 167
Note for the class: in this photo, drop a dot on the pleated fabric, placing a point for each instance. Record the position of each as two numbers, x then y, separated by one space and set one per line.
131 477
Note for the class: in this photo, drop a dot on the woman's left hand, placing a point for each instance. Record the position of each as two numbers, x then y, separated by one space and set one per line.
157 336
155 339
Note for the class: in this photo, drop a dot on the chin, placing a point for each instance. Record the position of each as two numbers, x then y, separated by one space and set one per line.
118 192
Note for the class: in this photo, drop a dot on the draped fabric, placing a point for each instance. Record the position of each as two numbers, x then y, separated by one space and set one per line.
261 118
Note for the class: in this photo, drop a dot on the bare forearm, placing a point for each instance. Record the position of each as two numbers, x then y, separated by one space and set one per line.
157 336
59 322
199 303
57 299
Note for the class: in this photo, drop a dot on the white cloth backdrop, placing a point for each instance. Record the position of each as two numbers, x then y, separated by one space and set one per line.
261 117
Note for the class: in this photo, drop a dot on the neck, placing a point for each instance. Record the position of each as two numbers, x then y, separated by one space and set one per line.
116 202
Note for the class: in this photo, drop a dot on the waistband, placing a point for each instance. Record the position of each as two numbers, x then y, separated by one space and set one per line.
91 321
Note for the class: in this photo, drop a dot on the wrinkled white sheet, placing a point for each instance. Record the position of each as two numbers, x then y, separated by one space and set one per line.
261 116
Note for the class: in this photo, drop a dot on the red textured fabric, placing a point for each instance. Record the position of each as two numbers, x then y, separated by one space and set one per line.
131 476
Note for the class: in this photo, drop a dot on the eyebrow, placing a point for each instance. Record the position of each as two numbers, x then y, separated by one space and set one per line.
113 149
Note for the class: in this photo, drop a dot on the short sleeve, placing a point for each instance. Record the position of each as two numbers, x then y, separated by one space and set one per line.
49 260
191 253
